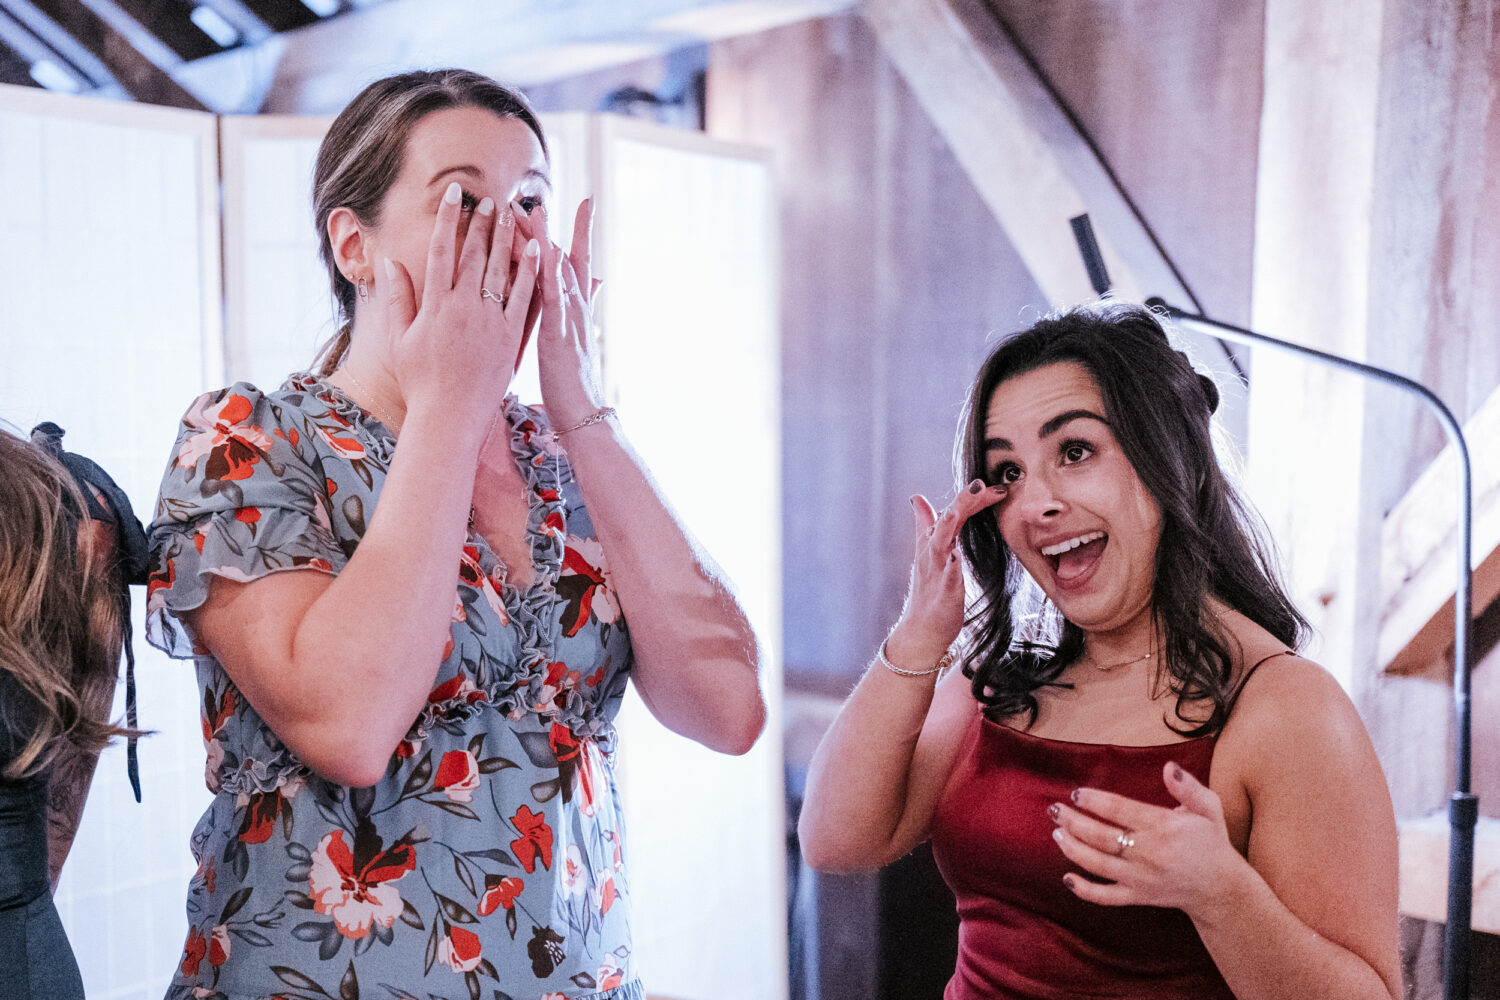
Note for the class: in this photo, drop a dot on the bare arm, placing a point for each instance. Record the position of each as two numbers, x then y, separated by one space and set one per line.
1312 911
696 655
879 771
339 668
68 780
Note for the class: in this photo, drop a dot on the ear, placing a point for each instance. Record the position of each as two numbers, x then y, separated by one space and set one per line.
352 253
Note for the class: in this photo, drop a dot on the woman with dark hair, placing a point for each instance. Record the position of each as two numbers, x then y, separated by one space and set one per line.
409 631
1063 774
60 636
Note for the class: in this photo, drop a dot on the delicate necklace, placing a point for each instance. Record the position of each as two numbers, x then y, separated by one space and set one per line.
389 423
1106 668
384 417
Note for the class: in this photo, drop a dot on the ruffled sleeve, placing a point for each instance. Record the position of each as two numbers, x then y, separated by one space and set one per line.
244 495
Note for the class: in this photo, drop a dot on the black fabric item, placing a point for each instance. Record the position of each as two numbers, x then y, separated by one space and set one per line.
131 547
36 960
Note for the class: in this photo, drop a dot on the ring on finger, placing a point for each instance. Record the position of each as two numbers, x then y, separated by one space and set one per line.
1125 842
485 293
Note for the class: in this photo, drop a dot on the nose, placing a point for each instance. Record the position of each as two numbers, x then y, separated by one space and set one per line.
1036 499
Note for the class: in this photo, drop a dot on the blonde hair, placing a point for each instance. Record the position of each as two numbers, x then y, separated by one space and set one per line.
61 620
362 153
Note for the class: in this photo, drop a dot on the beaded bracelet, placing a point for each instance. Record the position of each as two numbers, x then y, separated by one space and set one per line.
943 661
601 414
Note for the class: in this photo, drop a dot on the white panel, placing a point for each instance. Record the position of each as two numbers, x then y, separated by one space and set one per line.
691 345
104 249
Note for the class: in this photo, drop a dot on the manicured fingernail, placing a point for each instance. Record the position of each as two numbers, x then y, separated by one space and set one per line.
507 217
453 193
390 269
913 501
1057 834
1068 880
486 206
976 486
1055 811
1076 794
533 248
1177 773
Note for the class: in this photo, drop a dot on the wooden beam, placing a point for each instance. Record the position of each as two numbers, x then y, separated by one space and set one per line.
1033 165
171 22
318 68
36 36
1419 555
1025 155
1424 871
244 20
1307 448
14 69
142 79
283 15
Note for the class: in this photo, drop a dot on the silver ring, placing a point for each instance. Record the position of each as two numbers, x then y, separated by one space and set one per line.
1126 842
485 293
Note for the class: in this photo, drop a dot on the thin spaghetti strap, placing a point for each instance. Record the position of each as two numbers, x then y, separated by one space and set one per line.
1235 697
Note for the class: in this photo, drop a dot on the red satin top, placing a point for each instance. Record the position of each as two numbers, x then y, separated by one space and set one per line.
1022 934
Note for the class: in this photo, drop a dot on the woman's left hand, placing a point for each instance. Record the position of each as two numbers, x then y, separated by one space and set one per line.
1177 858
567 361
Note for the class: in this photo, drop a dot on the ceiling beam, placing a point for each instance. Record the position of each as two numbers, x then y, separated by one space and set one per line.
141 78
1021 148
14 69
170 21
35 36
244 20
1036 169
318 68
1419 552
283 15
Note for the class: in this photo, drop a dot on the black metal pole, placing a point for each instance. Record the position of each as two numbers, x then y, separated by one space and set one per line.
1463 805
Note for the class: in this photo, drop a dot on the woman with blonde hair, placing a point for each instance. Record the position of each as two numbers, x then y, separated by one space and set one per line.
407 596
60 636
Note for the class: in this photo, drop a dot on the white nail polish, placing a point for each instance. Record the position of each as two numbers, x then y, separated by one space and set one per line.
453 194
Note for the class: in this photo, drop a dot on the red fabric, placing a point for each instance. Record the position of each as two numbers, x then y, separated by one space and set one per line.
1022 934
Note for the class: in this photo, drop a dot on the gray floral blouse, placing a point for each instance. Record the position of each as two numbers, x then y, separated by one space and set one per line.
488 862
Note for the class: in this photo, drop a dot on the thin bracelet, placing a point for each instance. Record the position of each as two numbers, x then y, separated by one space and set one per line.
601 414
943 661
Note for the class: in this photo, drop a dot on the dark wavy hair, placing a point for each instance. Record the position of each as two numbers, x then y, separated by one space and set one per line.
1211 546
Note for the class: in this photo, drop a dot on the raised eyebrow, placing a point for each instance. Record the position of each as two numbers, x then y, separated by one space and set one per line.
1057 423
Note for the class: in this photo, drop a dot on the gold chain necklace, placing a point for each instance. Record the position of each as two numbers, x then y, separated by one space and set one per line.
1106 668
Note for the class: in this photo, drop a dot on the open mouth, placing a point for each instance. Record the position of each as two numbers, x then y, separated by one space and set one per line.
1074 560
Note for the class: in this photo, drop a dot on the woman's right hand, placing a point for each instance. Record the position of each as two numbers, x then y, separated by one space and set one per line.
459 349
934 611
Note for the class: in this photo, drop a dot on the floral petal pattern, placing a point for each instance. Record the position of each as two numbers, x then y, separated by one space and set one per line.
491 850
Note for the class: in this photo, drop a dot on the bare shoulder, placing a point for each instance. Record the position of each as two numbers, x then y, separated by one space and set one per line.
1292 717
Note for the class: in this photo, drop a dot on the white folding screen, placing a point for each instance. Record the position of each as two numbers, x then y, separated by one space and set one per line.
109 325
691 341
111 307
